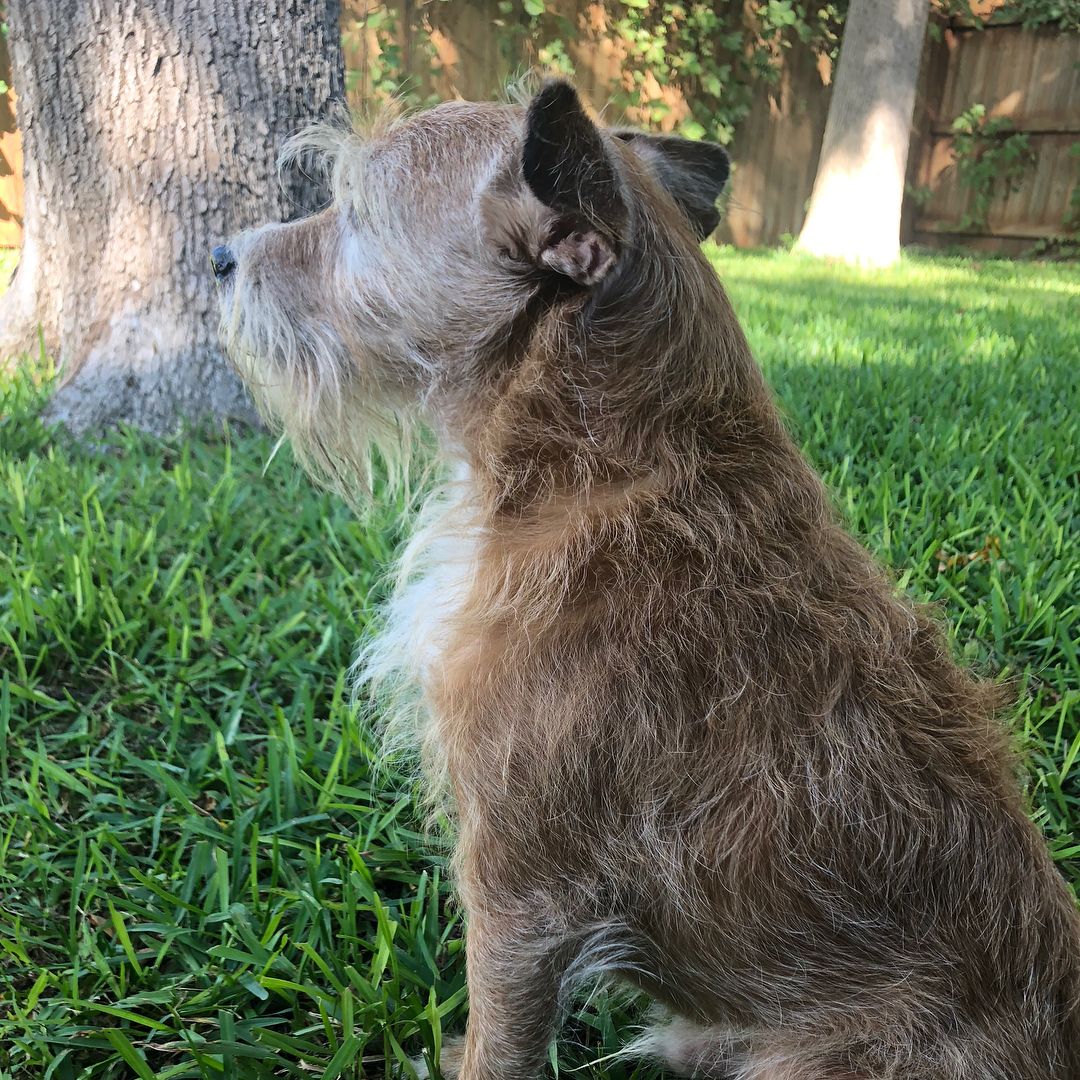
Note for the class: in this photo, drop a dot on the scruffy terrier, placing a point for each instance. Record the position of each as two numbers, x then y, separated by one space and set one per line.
691 735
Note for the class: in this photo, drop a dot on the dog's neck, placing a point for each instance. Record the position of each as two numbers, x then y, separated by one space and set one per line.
648 385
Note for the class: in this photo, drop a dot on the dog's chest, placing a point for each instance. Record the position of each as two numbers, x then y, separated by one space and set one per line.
424 608
436 573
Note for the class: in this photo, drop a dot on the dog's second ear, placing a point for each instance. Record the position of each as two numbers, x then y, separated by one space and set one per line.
568 168
694 173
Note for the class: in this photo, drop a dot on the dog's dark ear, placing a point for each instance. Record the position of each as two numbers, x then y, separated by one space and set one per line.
694 173
568 168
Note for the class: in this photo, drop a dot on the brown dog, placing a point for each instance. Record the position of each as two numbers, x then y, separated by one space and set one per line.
691 735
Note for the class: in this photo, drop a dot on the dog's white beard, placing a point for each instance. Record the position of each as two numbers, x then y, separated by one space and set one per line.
306 388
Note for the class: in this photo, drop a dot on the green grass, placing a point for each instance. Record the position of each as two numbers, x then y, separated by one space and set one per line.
203 871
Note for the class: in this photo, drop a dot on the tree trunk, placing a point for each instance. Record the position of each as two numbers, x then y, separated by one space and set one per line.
150 129
855 207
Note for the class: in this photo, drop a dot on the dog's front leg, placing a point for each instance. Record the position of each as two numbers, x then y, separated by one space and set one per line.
514 969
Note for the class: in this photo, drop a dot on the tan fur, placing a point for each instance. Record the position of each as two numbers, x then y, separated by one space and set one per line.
691 735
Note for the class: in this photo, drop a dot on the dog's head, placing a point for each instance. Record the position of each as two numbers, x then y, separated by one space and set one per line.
448 231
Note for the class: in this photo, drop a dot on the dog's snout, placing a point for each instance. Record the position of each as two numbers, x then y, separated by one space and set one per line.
222 262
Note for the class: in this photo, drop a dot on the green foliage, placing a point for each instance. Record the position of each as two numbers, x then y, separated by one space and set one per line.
991 157
1055 247
716 56
1039 14
386 69
204 871
919 194
1062 15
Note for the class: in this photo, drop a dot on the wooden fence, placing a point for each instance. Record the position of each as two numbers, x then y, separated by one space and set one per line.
776 152
1032 78
10 161
466 59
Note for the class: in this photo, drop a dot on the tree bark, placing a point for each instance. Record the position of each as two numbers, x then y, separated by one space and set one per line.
150 129
854 211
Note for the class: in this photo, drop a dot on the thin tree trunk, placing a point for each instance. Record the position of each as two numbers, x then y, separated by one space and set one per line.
854 211
150 129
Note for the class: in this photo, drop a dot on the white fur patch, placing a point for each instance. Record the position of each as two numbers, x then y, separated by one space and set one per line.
434 576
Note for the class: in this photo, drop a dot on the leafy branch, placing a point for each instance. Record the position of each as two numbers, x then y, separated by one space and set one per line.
991 157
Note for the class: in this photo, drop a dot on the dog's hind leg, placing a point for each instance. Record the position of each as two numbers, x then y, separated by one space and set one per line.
515 969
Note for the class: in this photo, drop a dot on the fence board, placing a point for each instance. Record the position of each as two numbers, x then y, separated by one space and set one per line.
775 152
1031 77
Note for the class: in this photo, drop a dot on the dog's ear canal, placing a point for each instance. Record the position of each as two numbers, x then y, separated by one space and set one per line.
694 173
567 167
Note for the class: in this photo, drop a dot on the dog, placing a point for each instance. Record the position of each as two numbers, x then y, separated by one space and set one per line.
692 737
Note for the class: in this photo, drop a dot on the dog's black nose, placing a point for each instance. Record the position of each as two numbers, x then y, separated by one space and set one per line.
222 262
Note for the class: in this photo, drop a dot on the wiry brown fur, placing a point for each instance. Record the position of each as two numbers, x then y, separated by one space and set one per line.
692 735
